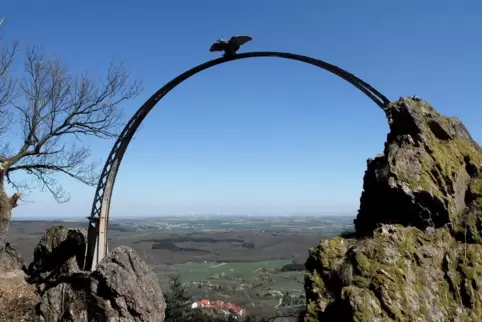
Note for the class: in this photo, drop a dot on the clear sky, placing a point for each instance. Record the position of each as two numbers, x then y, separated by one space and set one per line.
260 136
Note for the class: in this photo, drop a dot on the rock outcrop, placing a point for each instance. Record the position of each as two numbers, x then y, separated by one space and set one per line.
428 175
60 251
121 289
417 254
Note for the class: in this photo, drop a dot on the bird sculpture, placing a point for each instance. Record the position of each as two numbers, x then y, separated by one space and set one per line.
231 46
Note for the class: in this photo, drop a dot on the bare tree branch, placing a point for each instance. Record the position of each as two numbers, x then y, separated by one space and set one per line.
21 186
55 109
7 83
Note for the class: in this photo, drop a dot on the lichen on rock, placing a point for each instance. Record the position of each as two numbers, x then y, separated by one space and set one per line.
427 173
417 255
399 274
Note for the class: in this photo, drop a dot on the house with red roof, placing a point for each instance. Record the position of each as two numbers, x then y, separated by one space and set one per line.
225 307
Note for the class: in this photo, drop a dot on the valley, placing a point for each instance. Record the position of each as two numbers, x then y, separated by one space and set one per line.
246 260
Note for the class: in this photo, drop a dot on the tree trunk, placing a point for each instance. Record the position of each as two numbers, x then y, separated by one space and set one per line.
5 214
6 205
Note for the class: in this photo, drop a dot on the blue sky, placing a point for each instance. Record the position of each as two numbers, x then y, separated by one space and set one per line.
261 136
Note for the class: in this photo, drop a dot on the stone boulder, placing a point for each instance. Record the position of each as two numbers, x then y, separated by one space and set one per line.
61 250
121 289
130 286
428 176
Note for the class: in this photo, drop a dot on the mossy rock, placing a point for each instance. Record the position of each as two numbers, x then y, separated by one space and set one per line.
427 173
420 218
400 274
475 193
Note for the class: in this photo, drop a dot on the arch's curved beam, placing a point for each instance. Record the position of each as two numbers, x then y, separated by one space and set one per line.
97 233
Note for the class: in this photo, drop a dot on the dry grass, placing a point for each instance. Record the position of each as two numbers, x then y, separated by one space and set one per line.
17 298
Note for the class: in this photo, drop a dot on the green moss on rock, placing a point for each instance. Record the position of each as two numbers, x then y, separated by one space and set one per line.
401 274
421 180
475 190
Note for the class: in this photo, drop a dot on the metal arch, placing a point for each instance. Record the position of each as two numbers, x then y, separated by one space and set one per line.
97 231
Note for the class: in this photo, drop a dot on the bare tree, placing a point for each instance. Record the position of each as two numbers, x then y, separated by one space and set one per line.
53 109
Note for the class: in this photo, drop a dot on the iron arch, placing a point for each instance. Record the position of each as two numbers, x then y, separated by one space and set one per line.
99 218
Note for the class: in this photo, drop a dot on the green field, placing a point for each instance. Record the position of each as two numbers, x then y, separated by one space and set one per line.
202 271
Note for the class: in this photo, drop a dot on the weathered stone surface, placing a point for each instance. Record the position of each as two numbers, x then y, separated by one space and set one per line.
417 255
427 175
67 299
121 289
10 259
132 288
400 274
60 251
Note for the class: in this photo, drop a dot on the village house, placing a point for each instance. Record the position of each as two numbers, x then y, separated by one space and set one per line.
225 307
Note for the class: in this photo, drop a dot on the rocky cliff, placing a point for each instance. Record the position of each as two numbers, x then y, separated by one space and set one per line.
416 254
55 288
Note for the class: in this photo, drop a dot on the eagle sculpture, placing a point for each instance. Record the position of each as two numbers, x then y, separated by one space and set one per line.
231 46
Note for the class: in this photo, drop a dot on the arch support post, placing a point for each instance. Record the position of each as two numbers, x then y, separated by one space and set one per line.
97 247
92 234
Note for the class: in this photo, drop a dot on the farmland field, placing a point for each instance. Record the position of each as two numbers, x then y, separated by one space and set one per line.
242 270
235 259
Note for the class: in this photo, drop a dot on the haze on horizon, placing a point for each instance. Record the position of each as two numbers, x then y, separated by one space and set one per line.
261 136
191 215
257 215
